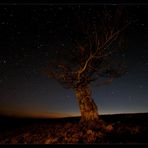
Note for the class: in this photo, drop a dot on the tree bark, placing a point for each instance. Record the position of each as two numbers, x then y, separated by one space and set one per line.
88 108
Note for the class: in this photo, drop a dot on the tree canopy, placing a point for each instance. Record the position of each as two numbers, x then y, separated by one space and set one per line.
96 49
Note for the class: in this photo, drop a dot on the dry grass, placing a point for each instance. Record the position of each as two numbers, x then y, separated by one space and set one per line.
72 133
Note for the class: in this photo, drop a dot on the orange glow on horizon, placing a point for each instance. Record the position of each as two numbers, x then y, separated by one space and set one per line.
31 114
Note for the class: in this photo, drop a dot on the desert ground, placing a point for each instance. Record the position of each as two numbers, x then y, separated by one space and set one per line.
120 129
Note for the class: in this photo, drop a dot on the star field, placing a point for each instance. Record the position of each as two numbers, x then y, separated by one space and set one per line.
30 35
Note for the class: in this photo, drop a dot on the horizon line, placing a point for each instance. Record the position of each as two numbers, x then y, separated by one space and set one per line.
64 116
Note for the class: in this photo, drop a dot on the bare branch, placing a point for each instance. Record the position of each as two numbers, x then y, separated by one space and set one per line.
85 66
92 56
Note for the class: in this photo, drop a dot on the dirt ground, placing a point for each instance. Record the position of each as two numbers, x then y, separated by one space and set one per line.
123 129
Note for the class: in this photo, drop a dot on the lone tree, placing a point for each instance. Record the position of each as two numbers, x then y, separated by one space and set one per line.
95 54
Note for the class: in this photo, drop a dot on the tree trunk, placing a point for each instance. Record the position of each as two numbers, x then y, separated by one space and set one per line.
88 108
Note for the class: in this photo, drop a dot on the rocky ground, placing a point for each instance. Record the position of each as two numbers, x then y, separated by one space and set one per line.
69 132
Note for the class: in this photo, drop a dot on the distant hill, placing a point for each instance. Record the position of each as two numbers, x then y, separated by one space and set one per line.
129 117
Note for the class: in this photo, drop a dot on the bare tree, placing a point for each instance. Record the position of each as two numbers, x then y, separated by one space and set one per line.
97 55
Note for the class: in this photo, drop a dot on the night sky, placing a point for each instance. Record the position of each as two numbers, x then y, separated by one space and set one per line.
31 34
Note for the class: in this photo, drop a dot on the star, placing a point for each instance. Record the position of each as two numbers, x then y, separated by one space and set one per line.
3 23
11 15
60 8
16 63
142 56
113 92
141 86
142 24
63 44
4 61
45 10
18 32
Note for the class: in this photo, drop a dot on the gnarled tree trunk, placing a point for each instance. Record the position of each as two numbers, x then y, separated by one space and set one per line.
88 108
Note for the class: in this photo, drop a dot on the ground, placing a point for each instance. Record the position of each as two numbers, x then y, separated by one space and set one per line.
121 128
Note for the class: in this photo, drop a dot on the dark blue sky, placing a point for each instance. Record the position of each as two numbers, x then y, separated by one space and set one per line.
30 33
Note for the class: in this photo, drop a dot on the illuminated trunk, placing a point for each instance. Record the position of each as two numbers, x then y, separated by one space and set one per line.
88 108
